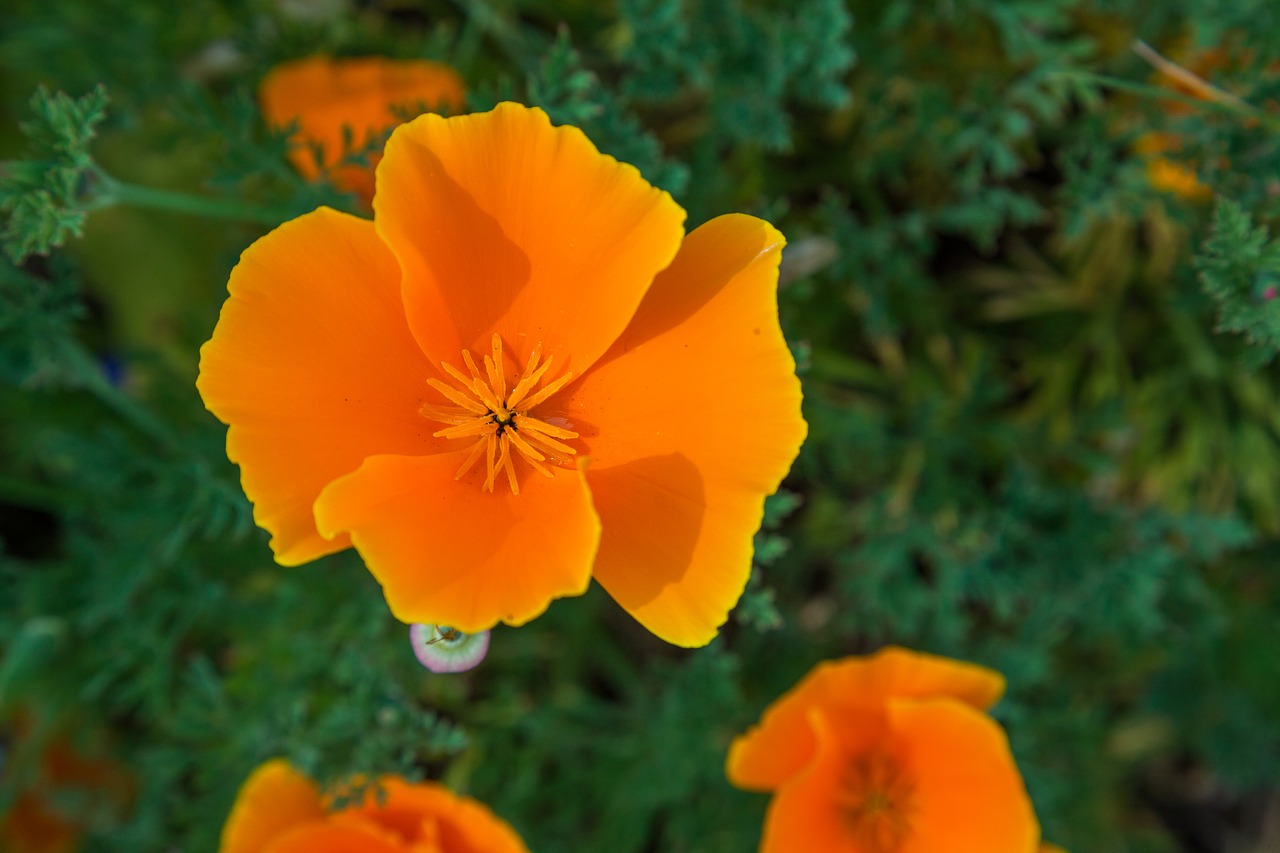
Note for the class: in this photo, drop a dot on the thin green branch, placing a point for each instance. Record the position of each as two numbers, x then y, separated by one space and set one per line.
112 191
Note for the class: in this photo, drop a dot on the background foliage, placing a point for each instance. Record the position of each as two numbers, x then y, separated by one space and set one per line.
1044 423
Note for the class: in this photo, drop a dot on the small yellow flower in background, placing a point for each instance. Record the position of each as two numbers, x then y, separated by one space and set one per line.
1166 175
892 753
362 97
279 810
521 375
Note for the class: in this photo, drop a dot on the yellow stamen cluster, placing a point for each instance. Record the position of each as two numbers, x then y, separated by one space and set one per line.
875 796
500 421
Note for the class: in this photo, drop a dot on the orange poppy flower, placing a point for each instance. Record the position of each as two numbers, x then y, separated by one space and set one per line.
39 819
521 375
339 104
279 810
893 753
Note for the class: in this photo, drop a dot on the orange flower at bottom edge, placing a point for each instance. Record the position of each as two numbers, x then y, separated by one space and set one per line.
893 753
360 96
521 376
279 810
39 819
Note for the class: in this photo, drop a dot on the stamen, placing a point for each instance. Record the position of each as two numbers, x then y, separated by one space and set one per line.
471 365
444 415
504 461
462 378
543 427
472 457
486 395
497 376
498 425
493 450
548 390
526 383
523 446
533 463
548 445
475 426
458 397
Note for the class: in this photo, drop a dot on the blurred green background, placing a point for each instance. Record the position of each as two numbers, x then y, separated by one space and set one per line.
1044 431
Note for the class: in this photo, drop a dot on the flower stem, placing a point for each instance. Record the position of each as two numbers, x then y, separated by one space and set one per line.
112 191
126 408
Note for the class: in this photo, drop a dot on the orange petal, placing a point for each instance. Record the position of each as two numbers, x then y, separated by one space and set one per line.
273 800
776 749
803 815
313 368
446 552
506 224
420 811
330 97
969 796
690 419
337 836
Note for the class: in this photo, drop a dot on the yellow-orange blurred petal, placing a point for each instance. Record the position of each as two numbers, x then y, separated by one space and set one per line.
783 742
1169 175
690 420
337 837
448 552
803 815
273 800
324 96
313 368
969 796
461 825
504 223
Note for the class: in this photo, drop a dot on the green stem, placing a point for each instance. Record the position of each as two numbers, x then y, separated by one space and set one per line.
1233 108
113 191
128 409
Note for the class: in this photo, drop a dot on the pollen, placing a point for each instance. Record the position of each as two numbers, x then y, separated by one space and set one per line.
497 420
875 797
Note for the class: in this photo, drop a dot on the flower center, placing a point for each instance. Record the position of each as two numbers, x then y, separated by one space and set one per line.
875 797
498 420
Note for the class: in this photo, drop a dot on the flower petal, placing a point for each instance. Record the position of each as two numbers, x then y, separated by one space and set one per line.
969 796
273 800
446 552
331 97
783 743
459 823
506 224
313 368
335 836
690 419
803 813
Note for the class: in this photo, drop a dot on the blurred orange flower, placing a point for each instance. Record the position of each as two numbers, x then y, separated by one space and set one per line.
1168 175
281 811
521 375
363 97
40 818
892 753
